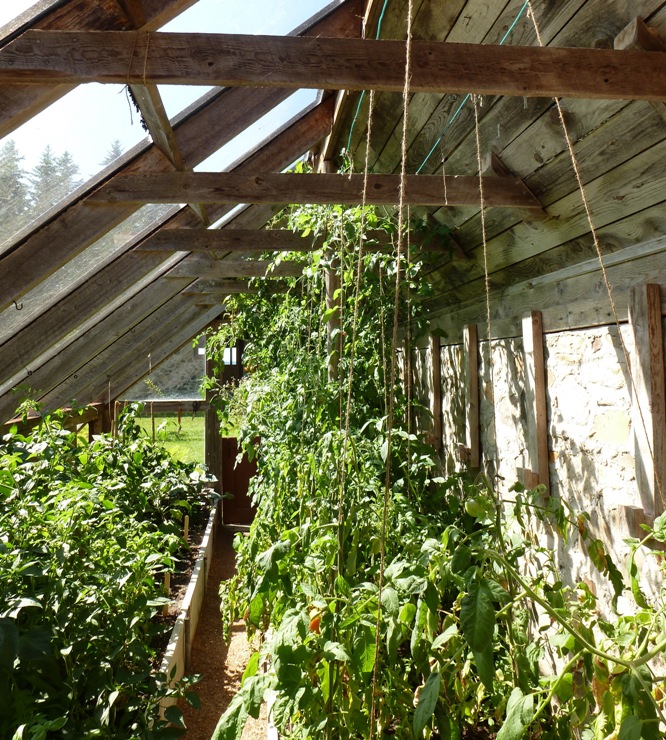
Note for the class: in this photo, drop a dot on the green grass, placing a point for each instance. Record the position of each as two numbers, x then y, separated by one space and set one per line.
185 444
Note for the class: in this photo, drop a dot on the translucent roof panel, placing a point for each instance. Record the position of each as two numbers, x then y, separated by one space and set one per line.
53 153
233 16
78 270
262 129
12 10
178 378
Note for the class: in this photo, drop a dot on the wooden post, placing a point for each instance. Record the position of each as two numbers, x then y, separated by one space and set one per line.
535 390
436 399
471 369
167 592
648 396
212 438
186 528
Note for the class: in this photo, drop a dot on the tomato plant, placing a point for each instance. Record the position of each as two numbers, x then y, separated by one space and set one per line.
394 600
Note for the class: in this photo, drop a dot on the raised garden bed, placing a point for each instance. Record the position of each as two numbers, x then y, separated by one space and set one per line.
177 658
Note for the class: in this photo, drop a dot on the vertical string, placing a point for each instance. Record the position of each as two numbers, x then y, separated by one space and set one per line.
396 311
486 274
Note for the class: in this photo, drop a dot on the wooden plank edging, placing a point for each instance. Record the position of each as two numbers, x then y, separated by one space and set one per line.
177 655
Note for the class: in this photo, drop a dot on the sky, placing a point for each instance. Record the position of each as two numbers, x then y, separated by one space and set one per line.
89 119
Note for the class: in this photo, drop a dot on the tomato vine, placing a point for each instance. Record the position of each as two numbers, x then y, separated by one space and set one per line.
473 609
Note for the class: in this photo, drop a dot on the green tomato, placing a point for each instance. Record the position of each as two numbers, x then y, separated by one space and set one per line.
474 507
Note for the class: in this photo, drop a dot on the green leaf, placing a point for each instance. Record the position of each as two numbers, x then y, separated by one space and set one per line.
659 528
519 711
630 729
335 651
252 667
427 703
232 722
477 616
564 687
174 716
256 610
407 613
485 665
390 600
444 637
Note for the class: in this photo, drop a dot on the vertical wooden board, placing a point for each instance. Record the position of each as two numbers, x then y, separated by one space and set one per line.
471 360
535 391
436 396
212 438
648 396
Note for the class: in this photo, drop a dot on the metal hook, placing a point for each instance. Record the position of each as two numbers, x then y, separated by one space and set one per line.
17 306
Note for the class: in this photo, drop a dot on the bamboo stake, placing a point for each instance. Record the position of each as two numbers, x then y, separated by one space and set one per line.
167 589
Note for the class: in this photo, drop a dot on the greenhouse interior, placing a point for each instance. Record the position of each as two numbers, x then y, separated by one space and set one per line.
332 373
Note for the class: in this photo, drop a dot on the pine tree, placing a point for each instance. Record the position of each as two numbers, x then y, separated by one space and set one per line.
68 174
14 200
44 181
53 179
114 152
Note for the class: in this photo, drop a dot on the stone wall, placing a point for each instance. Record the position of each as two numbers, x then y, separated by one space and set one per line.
589 431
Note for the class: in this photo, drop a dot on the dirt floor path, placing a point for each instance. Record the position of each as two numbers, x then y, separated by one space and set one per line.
221 665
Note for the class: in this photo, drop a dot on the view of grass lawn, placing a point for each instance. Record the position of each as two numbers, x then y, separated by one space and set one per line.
184 442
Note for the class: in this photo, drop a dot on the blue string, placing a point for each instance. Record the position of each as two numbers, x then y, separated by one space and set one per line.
468 96
360 100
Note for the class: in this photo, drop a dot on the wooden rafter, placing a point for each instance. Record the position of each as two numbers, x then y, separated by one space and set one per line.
82 223
134 10
213 187
218 117
18 103
67 57
219 286
261 240
203 266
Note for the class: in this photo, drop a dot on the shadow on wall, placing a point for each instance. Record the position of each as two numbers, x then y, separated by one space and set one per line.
592 463
453 405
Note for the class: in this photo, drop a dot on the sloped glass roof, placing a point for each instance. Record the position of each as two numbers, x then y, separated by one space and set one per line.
65 147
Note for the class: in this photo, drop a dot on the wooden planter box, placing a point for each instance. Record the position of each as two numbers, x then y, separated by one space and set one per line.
179 650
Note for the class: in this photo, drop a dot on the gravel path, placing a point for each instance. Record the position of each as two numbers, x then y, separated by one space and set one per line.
220 665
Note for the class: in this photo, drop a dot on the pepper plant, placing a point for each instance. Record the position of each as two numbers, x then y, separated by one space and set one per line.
87 531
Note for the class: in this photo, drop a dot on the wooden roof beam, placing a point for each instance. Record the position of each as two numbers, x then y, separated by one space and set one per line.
215 187
200 131
69 57
218 286
18 103
154 115
260 240
134 10
82 223
204 267
638 35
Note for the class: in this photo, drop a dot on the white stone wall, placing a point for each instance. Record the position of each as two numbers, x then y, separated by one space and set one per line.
502 411
589 433
453 404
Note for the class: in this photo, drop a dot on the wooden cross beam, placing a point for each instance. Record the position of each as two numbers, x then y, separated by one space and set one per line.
201 266
130 57
260 240
216 187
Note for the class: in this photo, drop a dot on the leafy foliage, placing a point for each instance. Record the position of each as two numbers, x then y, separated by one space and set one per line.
405 610
86 530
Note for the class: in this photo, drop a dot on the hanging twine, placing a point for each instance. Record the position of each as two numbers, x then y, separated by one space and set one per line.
391 410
